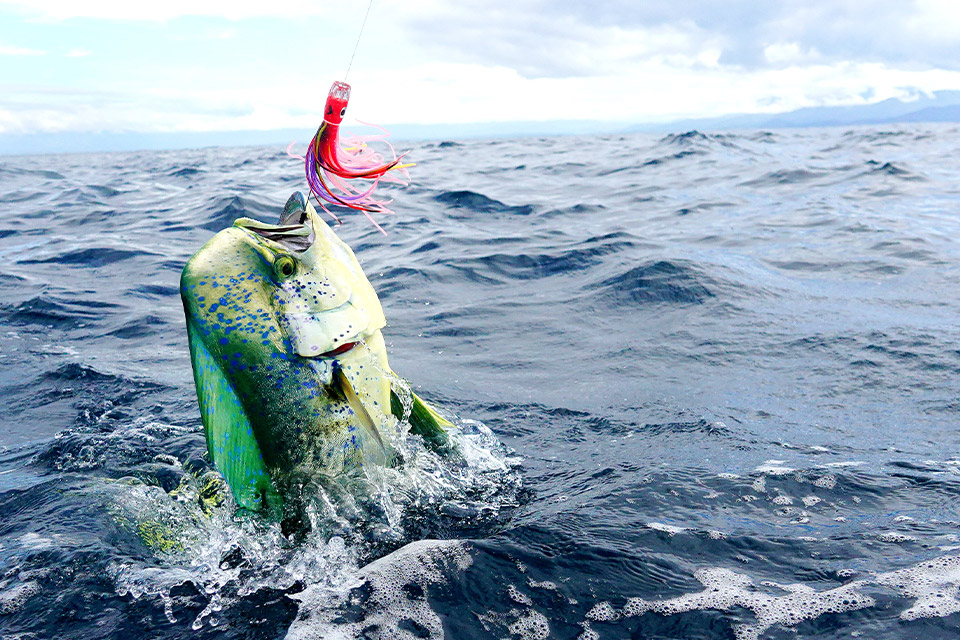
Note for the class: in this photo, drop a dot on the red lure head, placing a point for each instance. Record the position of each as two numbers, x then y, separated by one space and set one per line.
337 100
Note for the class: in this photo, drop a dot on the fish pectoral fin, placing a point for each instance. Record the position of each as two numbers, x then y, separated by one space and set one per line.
359 410
424 420
230 441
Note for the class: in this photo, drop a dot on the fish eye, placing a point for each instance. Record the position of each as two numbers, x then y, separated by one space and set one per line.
284 267
343 112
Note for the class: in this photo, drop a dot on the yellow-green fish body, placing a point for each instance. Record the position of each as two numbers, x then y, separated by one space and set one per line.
289 360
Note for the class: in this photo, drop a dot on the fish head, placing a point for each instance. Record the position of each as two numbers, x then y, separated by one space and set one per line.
274 313
295 282
337 99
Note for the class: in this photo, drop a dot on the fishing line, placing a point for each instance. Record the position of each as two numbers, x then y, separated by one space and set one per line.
364 24
331 162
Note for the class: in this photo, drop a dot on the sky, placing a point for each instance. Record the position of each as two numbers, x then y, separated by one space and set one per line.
91 66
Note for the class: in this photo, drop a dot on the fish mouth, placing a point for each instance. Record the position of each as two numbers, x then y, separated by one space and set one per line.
339 351
326 334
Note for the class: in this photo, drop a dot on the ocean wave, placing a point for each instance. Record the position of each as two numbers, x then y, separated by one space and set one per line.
655 282
479 203
723 365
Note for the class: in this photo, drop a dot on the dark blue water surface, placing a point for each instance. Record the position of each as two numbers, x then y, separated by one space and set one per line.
727 364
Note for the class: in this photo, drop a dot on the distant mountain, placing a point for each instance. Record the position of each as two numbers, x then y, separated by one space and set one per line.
942 106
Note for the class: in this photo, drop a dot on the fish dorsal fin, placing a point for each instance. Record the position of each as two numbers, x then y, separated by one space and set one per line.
230 440
366 422
295 210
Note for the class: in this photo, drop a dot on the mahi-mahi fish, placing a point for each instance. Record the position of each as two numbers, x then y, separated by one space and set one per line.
289 361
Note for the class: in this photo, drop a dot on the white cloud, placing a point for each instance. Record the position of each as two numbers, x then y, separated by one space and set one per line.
462 93
936 19
563 37
77 53
782 53
547 43
6 50
168 9
433 61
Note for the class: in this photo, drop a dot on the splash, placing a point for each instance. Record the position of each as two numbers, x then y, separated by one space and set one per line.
934 585
363 531
390 592
726 590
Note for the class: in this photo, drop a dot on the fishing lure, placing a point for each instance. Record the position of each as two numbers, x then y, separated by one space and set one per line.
331 162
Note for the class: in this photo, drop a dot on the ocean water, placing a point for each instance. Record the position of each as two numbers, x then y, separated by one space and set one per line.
709 383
